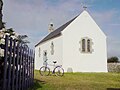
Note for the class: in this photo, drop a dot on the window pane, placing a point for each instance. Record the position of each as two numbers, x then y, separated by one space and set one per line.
83 45
88 45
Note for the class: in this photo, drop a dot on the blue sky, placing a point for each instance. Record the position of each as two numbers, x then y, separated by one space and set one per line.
32 17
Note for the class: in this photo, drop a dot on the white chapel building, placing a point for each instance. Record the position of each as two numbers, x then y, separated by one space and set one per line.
78 45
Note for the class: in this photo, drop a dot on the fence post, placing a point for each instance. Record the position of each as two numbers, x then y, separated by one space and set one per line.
33 65
25 59
29 68
26 68
5 63
9 67
18 58
13 67
23 62
27 83
20 65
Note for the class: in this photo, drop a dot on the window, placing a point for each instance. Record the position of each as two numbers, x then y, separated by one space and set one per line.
52 48
45 59
86 45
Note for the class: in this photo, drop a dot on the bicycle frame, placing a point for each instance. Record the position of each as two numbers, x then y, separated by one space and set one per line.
57 70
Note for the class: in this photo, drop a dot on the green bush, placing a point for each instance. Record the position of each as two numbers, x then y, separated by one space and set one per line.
113 60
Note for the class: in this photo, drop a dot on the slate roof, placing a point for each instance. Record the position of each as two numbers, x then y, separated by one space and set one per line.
56 32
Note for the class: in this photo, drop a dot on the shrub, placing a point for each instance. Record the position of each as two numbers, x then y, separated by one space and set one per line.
113 60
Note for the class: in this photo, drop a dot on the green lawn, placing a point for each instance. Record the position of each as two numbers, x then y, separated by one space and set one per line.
77 81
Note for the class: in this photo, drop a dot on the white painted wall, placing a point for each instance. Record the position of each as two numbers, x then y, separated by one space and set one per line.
84 26
47 46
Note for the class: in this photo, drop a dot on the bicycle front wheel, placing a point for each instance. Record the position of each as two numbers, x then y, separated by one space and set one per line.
44 71
59 71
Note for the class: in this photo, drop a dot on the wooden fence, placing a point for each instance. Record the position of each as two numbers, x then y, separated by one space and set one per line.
16 66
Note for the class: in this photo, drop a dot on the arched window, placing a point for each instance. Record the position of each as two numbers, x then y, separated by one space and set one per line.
86 45
83 45
52 48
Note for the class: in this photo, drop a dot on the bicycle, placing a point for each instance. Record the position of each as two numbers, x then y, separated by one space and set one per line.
58 70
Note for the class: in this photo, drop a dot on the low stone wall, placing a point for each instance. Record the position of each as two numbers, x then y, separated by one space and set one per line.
113 67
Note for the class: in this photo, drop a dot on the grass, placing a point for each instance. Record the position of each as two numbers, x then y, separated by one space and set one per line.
77 81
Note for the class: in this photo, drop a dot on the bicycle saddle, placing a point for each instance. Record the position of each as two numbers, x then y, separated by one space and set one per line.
54 62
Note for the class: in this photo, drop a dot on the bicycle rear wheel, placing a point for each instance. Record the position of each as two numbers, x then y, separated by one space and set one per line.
44 71
59 71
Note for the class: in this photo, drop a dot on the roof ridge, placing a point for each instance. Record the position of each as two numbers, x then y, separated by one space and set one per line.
56 32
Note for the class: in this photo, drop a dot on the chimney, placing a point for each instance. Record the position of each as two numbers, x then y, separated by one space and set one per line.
51 29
